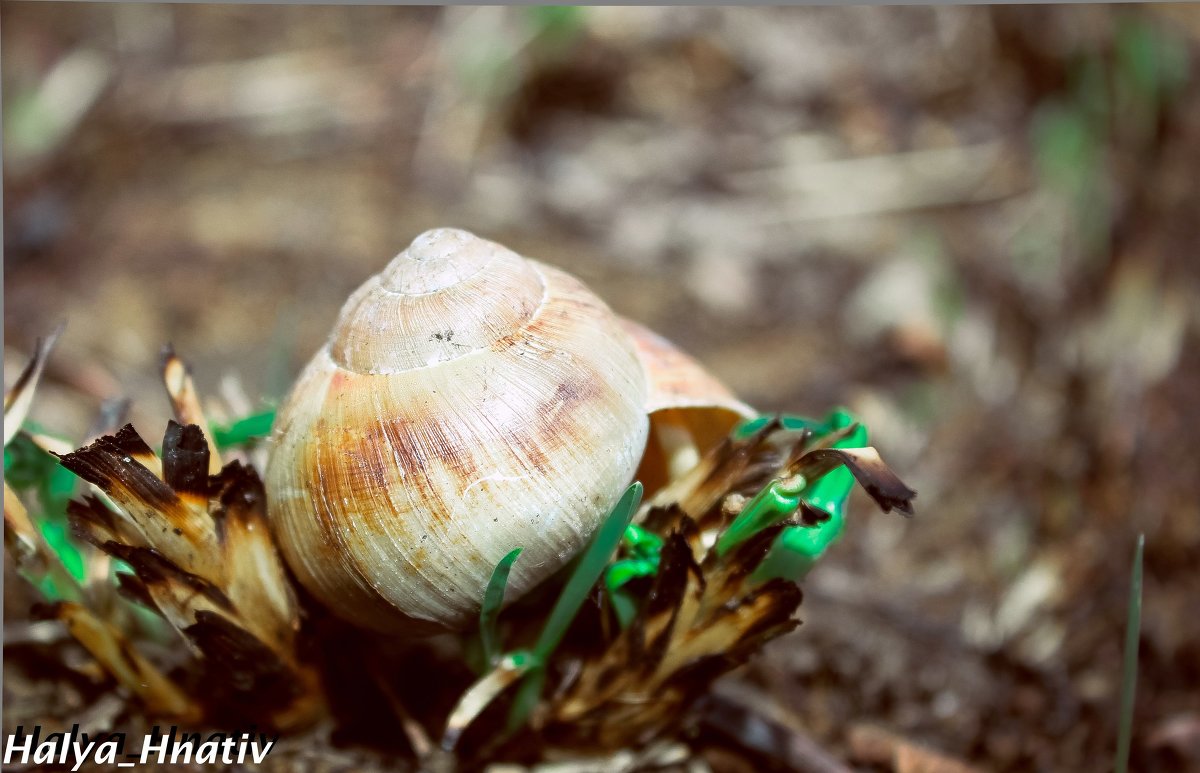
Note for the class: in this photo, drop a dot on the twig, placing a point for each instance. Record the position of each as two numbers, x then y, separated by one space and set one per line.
754 719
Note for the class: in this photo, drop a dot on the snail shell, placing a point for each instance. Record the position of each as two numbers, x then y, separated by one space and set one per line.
469 401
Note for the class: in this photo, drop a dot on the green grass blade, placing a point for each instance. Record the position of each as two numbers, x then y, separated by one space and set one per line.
1129 669
493 599
586 574
776 502
788 421
526 698
625 607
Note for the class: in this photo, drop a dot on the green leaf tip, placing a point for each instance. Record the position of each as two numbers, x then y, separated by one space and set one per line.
493 600
776 502
643 549
797 548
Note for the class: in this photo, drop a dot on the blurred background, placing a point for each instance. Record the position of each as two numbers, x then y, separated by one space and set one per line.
975 227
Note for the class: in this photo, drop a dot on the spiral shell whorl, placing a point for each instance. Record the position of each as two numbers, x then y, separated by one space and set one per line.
470 401
439 259
448 294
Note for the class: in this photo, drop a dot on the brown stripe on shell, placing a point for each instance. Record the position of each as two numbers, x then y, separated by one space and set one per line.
322 461
353 465
419 438
361 600
556 420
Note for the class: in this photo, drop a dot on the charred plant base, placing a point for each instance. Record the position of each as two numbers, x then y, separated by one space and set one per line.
698 598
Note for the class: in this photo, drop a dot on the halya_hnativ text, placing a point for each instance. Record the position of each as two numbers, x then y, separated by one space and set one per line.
173 746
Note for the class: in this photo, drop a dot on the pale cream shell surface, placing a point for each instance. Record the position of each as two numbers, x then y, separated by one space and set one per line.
683 398
470 402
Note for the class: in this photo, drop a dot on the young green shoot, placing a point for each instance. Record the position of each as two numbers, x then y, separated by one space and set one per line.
587 572
798 548
643 550
776 502
1129 670
493 600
